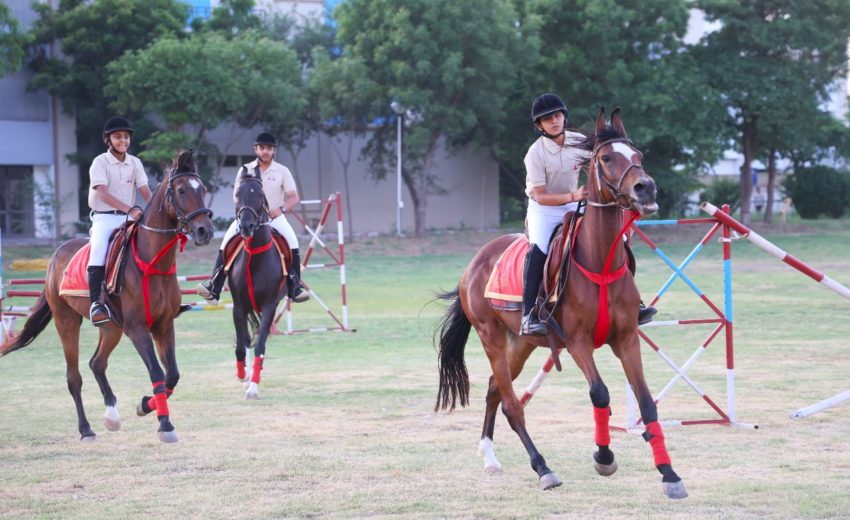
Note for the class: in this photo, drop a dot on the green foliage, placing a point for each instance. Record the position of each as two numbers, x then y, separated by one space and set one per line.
197 83
12 42
722 191
447 63
819 190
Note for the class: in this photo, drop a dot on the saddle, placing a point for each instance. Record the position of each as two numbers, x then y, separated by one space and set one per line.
236 244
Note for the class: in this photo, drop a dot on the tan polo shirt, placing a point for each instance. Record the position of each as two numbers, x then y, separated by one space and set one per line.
277 180
121 178
554 166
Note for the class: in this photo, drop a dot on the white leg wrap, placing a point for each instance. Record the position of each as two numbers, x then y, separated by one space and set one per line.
485 449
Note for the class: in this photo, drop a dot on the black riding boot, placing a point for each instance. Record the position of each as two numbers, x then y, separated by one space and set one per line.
531 325
98 313
296 290
211 289
645 313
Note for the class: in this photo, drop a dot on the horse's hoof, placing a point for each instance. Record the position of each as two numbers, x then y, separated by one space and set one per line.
606 470
253 391
549 480
675 489
88 438
494 469
111 419
168 436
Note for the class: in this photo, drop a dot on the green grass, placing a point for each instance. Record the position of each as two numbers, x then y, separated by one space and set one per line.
345 427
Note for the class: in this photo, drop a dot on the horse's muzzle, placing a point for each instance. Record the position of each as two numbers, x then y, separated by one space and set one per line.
644 193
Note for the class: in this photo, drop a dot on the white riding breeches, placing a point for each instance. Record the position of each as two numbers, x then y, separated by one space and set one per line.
280 224
542 220
102 226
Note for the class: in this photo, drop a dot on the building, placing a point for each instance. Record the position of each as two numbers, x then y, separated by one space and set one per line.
40 187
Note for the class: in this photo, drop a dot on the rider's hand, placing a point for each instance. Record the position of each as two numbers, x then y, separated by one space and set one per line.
135 213
580 193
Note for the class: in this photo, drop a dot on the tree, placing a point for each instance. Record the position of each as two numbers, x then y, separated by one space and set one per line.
12 42
92 34
196 84
443 60
767 54
346 95
629 54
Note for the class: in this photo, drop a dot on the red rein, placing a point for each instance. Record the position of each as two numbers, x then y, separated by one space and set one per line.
603 280
148 269
251 252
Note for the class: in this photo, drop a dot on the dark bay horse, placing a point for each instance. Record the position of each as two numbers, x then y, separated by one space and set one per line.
256 279
616 182
148 303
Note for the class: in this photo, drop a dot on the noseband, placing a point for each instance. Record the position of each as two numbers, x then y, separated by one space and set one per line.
614 190
182 217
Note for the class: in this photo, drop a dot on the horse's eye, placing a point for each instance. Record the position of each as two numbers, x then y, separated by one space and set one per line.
606 158
180 190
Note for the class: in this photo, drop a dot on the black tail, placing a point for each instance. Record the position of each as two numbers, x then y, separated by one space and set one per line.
454 331
37 321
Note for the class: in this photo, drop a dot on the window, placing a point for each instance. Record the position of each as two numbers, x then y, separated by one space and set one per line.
16 205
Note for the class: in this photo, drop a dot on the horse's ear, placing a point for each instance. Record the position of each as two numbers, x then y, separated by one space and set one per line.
600 120
186 162
617 122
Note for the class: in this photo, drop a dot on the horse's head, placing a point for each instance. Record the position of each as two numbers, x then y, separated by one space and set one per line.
185 198
251 205
616 174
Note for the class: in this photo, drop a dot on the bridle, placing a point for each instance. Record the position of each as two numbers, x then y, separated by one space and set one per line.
613 189
183 218
261 215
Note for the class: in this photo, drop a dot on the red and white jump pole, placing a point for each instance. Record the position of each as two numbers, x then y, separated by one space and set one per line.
797 264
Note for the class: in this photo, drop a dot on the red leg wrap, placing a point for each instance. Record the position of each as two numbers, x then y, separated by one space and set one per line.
656 441
240 369
161 404
603 433
255 373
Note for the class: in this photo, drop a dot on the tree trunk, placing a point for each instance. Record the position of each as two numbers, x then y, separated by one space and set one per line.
771 182
421 208
748 146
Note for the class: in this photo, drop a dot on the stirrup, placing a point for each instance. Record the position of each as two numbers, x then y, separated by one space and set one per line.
99 314
535 327
300 294
206 292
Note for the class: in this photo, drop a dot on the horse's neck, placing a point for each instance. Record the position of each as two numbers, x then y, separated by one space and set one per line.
262 235
150 243
599 231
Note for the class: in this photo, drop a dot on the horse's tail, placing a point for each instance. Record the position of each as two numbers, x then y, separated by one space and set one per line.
454 331
37 321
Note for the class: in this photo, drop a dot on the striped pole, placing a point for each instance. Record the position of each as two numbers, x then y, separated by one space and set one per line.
765 245
341 239
797 264
538 379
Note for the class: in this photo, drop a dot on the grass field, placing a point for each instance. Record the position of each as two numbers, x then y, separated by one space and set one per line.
345 429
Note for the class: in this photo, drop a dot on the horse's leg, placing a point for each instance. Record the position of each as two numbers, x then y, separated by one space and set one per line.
266 317
485 446
506 366
603 459
243 342
165 344
629 356
68 323
109 338
141 339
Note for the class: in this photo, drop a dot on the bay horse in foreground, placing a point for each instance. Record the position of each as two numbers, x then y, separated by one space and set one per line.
147 305
616 182
257 278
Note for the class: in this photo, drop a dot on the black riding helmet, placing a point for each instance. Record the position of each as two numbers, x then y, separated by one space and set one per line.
116 124
546 104
266 138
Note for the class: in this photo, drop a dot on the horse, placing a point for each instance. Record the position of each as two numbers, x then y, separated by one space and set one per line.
147 305
617 181
257 279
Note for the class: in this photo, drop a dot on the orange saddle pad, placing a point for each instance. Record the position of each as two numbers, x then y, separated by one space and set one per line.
504 288
75 279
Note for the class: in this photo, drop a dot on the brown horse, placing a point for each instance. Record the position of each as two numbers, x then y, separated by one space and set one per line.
148 303
616 182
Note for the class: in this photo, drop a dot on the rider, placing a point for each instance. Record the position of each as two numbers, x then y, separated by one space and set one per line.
282 195
552 166
114 177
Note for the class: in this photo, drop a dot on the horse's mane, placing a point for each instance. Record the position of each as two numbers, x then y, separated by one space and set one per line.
589 142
